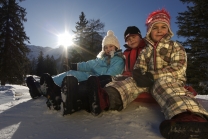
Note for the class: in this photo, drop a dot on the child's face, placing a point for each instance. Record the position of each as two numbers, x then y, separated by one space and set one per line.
108 48
158 31
133 40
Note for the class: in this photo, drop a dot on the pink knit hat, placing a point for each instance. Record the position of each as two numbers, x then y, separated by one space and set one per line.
156 17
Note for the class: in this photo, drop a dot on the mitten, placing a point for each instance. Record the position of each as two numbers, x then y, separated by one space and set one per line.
145 80
72 66
119 77
150 76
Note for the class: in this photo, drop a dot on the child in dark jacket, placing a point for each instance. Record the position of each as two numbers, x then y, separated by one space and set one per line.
134 45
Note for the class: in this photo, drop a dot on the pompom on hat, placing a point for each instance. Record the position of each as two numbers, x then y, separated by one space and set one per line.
158 16
110 38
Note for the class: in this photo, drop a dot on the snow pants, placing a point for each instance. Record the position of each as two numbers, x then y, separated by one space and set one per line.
170 94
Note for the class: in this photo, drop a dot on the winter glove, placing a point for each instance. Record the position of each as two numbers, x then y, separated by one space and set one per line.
72 66
66 67
145 80
104 79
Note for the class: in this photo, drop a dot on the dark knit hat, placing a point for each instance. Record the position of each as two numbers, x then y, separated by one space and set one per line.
131 30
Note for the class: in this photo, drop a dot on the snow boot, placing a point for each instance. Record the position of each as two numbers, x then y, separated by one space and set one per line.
83 95
51 91
98 98
69 89
84 91
184 126
115 100
34 87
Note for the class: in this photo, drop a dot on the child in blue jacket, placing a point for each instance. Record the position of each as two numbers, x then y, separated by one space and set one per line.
108 62
73 83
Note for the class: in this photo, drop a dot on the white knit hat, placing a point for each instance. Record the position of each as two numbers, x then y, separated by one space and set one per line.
109 39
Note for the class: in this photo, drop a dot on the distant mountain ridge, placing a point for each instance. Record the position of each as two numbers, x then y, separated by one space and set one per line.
35 51
60 52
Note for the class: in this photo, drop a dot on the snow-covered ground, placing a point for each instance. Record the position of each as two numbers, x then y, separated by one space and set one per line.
24 118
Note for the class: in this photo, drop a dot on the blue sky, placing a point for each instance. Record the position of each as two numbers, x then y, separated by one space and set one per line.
48 18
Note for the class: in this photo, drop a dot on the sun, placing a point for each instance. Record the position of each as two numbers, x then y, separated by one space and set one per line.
65 39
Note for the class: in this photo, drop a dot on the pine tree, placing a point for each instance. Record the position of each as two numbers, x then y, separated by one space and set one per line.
40 65
88 38
193 25
13 51
95 35
50 65
53 66
33 66
80 30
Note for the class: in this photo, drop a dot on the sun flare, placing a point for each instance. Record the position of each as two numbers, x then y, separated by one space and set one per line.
65 39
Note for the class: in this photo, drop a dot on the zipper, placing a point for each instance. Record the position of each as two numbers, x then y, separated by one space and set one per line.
154 55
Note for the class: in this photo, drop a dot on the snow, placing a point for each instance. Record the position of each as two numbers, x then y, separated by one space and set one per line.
24 118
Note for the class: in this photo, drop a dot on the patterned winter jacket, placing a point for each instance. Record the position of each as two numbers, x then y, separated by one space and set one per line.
165 58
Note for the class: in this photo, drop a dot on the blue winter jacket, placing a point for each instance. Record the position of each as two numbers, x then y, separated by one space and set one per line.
100 66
